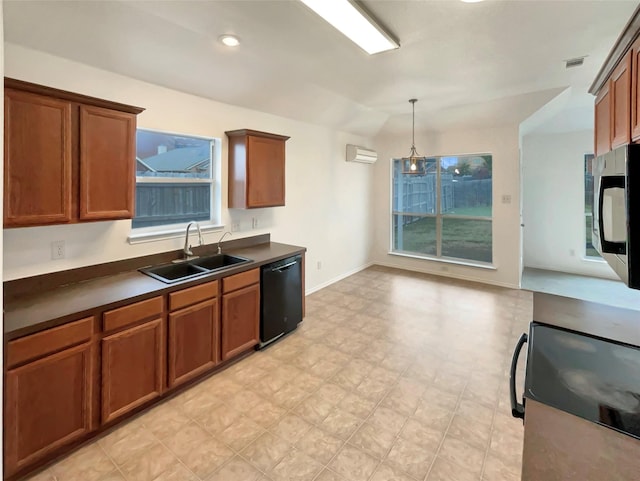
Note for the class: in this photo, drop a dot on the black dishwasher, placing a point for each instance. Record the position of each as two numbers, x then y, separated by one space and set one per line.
280 298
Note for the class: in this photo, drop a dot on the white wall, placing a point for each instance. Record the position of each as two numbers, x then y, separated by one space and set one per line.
502 143
553 207
327 202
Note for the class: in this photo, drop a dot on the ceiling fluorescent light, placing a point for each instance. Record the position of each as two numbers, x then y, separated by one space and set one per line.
355 23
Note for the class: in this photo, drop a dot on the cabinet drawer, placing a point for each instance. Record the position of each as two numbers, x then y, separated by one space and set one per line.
127 315
189 296
47 342
238 281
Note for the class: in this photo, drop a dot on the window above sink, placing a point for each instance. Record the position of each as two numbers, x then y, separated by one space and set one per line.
177 181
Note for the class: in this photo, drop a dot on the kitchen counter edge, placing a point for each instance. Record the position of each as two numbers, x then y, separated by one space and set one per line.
37 312
591 318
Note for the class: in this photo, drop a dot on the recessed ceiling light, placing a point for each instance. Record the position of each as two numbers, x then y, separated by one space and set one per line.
472 1
355 23
229 40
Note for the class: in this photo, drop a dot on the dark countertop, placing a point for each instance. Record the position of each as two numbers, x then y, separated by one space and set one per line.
45 309
608 322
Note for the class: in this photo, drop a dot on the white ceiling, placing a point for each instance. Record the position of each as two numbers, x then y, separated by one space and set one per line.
486 63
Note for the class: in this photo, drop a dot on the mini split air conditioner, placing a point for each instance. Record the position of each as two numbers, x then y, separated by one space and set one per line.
360 154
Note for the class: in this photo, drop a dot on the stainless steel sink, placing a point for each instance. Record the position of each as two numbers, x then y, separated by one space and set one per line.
198 267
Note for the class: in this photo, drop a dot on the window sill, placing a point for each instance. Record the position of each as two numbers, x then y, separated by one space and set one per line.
480 265
142 237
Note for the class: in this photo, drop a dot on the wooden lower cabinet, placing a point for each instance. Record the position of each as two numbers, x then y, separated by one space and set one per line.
67 383
193 341
133 368
48 405
240 320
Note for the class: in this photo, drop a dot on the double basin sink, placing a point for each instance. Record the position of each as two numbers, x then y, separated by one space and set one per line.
188 269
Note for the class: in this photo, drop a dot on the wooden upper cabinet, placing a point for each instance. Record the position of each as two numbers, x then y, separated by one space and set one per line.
635 91
621 103
107 163
67 158
48 405
603 120
256 169
37 159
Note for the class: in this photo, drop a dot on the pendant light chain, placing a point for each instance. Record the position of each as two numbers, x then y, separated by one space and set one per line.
414 157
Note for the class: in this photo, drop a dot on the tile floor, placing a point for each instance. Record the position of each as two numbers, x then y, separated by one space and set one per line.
393 376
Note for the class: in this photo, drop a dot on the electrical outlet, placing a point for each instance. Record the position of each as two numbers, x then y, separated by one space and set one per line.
235 227
57 250
506 199
319 265
254 223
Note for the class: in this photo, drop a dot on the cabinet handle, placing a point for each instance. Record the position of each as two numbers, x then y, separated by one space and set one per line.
286 266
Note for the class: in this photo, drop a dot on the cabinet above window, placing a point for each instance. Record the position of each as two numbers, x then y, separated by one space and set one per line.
68 157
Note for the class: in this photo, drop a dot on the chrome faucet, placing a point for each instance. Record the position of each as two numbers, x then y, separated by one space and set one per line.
187 248
220 248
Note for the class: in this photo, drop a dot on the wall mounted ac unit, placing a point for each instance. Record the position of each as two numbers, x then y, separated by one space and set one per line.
360 154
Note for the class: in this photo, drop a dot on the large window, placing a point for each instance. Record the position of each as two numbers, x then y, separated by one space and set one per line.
444 212
174 179
590 251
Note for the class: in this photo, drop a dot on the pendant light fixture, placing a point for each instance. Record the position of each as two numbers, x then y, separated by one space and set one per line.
415 163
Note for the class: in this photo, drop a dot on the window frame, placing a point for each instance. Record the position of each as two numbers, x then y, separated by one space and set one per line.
439 217
168 231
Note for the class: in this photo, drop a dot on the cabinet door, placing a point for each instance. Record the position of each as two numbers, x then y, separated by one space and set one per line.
635 91
37 159
265 172
621 103
48 405
603 120
240 321
132 368
193 341
107 163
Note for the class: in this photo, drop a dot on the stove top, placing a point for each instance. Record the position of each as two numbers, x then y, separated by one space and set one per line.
595 379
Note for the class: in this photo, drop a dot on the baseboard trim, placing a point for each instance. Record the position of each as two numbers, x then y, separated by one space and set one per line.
449 275
338 278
